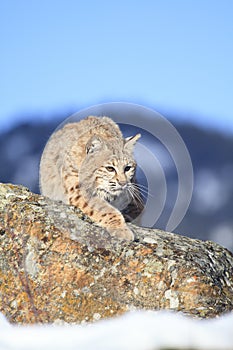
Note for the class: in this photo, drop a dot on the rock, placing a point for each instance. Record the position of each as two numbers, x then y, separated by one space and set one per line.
58 266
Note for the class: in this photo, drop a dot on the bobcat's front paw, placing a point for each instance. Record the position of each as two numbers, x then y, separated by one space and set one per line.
123 233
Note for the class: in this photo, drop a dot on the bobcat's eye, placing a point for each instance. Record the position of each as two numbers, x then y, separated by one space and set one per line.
110 169
127 168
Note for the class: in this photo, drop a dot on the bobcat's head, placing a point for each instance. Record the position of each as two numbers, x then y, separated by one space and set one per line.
112 166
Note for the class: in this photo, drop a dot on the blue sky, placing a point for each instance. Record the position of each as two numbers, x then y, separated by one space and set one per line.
175 56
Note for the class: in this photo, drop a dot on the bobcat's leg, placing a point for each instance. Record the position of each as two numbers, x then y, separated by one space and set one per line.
98 210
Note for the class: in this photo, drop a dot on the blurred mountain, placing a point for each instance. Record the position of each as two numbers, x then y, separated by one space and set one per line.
210 213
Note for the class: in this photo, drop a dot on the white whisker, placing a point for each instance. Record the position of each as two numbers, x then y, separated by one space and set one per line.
136 196
143 190
139 185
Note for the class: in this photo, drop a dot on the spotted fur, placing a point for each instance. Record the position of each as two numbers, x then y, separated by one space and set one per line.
90 165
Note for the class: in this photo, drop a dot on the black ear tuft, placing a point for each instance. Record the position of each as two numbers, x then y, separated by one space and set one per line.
94 144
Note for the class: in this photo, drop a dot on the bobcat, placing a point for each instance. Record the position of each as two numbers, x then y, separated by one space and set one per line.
90 165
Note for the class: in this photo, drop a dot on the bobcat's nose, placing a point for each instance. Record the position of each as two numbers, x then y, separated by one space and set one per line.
122 183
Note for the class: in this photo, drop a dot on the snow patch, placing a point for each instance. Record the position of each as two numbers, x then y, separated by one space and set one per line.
139 330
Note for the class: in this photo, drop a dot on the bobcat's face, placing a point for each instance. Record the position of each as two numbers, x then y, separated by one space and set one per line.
108 168
114 178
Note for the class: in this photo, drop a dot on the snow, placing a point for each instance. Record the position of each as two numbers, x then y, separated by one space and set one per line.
223 235
136 330
212 190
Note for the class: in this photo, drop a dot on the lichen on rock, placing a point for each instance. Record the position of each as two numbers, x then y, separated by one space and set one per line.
55 264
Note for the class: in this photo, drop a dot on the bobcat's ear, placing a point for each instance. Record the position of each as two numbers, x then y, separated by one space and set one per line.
94 144
130 141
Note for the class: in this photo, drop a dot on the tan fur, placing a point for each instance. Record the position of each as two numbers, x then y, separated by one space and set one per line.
90 165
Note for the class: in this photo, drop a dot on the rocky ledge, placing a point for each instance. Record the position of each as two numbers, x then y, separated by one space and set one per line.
57 266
